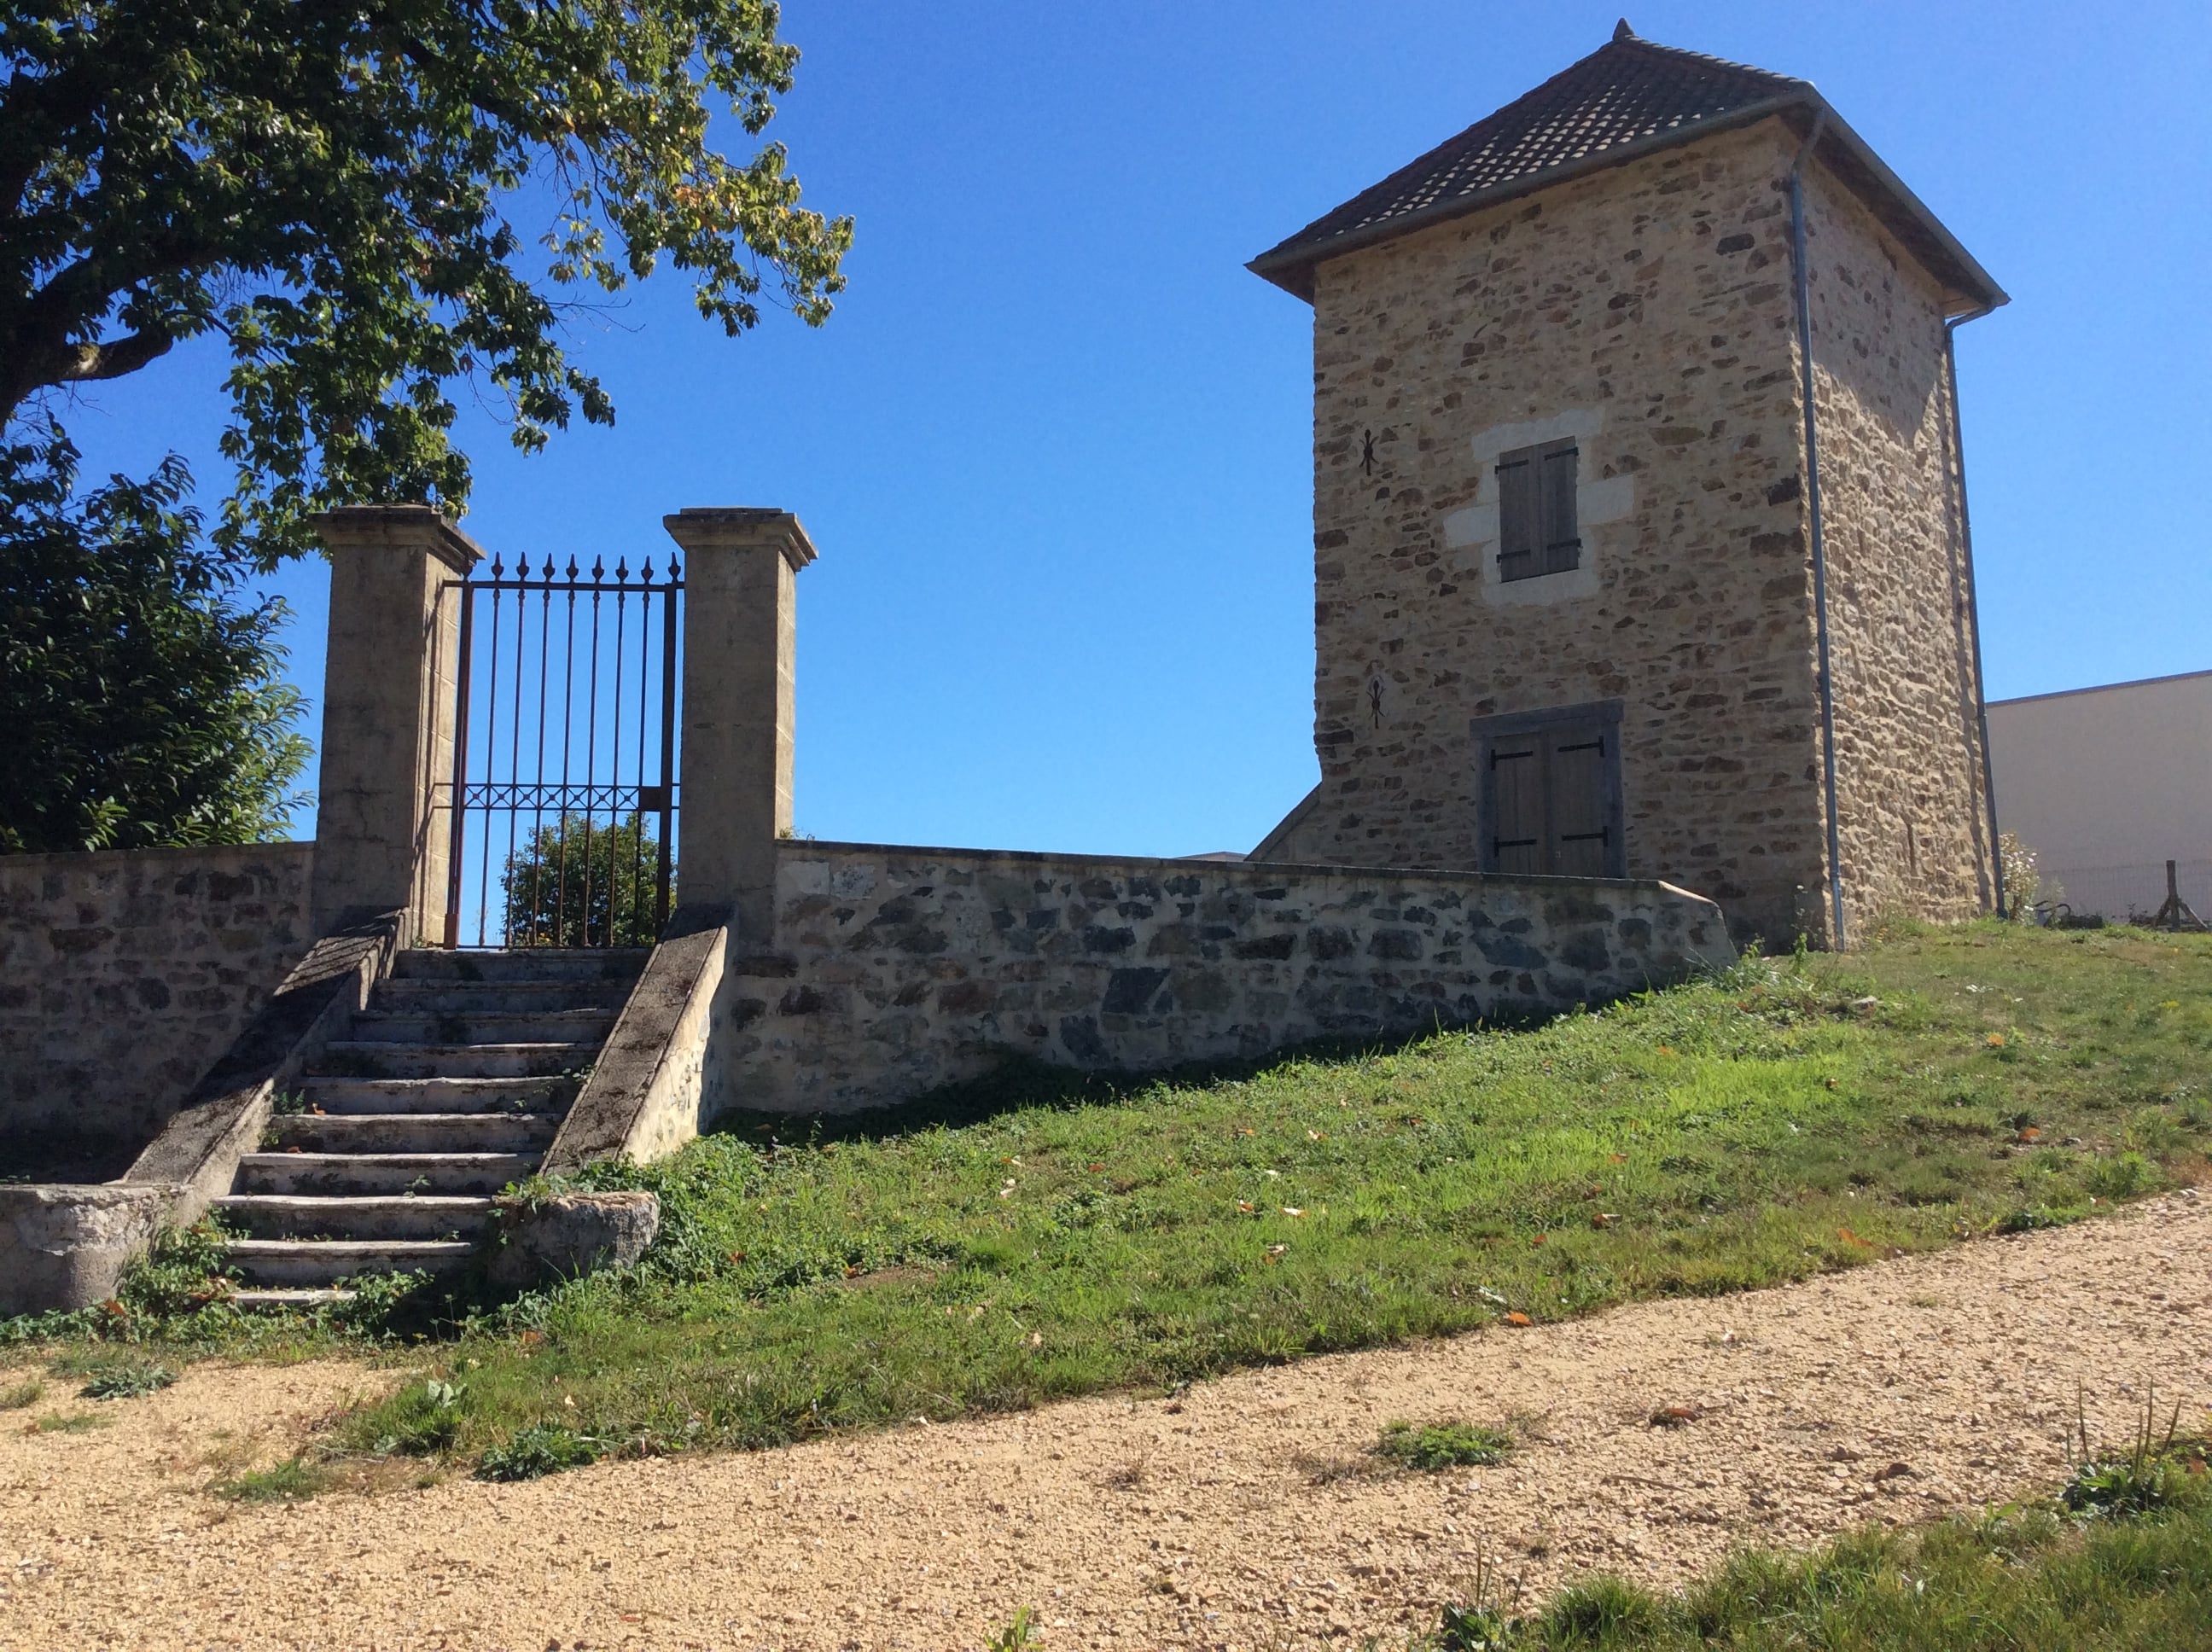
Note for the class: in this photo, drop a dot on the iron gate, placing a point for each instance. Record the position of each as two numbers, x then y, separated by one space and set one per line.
564 792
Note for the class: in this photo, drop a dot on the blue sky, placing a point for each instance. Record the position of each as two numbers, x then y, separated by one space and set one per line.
1054 445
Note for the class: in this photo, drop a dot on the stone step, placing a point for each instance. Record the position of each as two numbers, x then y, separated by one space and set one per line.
387 1216
451 1027
349 1060
247 1301
622 964
325 1261
343 1175
413 1133
473 998
438 1095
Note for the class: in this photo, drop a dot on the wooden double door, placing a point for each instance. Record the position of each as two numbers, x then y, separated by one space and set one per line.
1551 796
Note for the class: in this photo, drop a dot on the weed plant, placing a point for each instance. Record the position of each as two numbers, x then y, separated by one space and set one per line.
538 1449
81 1422
1020 1635
127 1379
1438 1446
288 1481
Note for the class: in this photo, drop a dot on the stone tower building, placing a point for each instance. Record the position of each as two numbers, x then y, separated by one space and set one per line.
1575 576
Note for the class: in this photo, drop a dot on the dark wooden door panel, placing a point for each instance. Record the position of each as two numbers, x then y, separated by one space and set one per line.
1518 828
1579 799
1551 794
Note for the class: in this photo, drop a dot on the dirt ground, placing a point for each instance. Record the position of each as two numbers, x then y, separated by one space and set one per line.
1248 1515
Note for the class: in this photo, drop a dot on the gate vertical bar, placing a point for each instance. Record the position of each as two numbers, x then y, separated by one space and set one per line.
457 828
668 633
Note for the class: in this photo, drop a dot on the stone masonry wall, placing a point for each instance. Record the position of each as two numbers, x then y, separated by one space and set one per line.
124 977
1646 310
1912 814
896 970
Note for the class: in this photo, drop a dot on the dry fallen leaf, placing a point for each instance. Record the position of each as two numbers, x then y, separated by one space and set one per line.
1850 1238
1517 1317
1094 1166
1995 1040
1538 1240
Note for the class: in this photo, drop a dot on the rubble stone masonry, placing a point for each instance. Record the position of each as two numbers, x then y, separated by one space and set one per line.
1913 815
897 970
1648 311
124 976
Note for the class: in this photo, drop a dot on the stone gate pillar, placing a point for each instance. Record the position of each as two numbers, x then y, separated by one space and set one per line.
388 711
740 638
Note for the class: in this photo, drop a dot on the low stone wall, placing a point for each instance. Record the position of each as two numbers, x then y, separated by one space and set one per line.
124 977
895 970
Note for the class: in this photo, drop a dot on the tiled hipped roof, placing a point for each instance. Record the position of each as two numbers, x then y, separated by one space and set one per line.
1629 97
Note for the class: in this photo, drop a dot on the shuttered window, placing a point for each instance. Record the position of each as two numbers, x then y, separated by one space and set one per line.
1537 531
1551 794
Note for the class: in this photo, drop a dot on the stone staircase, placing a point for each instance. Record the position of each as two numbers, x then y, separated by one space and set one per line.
450 1086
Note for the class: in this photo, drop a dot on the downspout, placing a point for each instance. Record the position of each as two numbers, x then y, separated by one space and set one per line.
1813 506
1973 607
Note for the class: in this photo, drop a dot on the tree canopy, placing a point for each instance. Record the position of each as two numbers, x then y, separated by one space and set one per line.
142 703
331 186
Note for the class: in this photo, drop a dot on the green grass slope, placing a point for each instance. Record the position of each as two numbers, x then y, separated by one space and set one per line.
1038 1238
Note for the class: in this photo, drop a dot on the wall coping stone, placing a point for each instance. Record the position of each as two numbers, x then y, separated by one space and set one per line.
122 860
197 1153
412 526
801 845
737 527
642 1098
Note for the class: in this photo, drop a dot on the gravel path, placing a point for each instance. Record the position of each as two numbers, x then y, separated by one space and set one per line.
1248 1514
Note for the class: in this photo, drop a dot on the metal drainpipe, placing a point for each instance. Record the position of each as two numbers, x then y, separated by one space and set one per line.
1812 502
1973 606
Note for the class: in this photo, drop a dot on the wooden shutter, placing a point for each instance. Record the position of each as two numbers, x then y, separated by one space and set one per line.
1520 550
1579 839
1562 540
1516 803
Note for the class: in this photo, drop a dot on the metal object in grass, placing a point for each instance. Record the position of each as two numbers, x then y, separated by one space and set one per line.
2175 914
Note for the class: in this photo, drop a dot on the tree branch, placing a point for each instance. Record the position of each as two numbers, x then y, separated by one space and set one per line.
112 360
